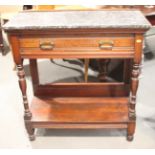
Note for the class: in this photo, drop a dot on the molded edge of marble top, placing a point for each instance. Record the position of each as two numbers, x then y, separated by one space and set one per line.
78 19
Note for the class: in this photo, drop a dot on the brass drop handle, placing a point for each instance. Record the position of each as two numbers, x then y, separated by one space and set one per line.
106 44
46 45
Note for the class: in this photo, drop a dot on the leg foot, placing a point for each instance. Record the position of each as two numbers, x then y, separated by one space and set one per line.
131 130
31 134
32 137
130 138
30 130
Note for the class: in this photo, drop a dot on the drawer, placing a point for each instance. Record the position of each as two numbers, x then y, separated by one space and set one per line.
100 43
109 46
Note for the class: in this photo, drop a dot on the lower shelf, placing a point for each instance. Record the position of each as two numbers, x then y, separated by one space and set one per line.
77 111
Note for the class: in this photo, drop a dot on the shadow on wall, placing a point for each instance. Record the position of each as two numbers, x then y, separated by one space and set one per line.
81 132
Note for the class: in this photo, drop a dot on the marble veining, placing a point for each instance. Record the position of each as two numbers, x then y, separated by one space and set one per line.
78 19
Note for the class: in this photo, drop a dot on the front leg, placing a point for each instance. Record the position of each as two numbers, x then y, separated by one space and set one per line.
27 113
134 86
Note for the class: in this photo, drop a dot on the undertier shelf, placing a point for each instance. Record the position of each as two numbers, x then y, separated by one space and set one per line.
79 110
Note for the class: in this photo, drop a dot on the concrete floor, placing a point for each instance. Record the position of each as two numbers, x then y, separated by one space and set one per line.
13 133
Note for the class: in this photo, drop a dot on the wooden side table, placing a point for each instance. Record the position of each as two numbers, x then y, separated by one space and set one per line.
83 35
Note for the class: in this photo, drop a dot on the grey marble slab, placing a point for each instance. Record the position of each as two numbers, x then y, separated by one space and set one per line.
78 19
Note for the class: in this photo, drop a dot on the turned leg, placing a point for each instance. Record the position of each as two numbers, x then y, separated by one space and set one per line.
103 65
86 63
27 113
132 114
134 86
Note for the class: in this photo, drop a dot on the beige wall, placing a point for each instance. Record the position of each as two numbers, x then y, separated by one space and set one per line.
10 8
7 12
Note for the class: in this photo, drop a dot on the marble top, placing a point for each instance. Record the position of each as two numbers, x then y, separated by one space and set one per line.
78 19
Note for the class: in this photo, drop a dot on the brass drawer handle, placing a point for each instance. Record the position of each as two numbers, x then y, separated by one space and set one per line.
46 45
106 44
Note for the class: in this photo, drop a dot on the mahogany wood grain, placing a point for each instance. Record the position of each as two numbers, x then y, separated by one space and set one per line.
134 85
76 31
77 47
34 74
138 48
106 116
80 110
76 42
83 90
14 41
80 54
22 83
84 105
79 125
27 112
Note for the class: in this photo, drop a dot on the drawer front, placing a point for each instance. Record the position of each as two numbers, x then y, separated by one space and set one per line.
75 43
80 47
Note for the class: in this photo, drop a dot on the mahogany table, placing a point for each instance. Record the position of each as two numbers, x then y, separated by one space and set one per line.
82 35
